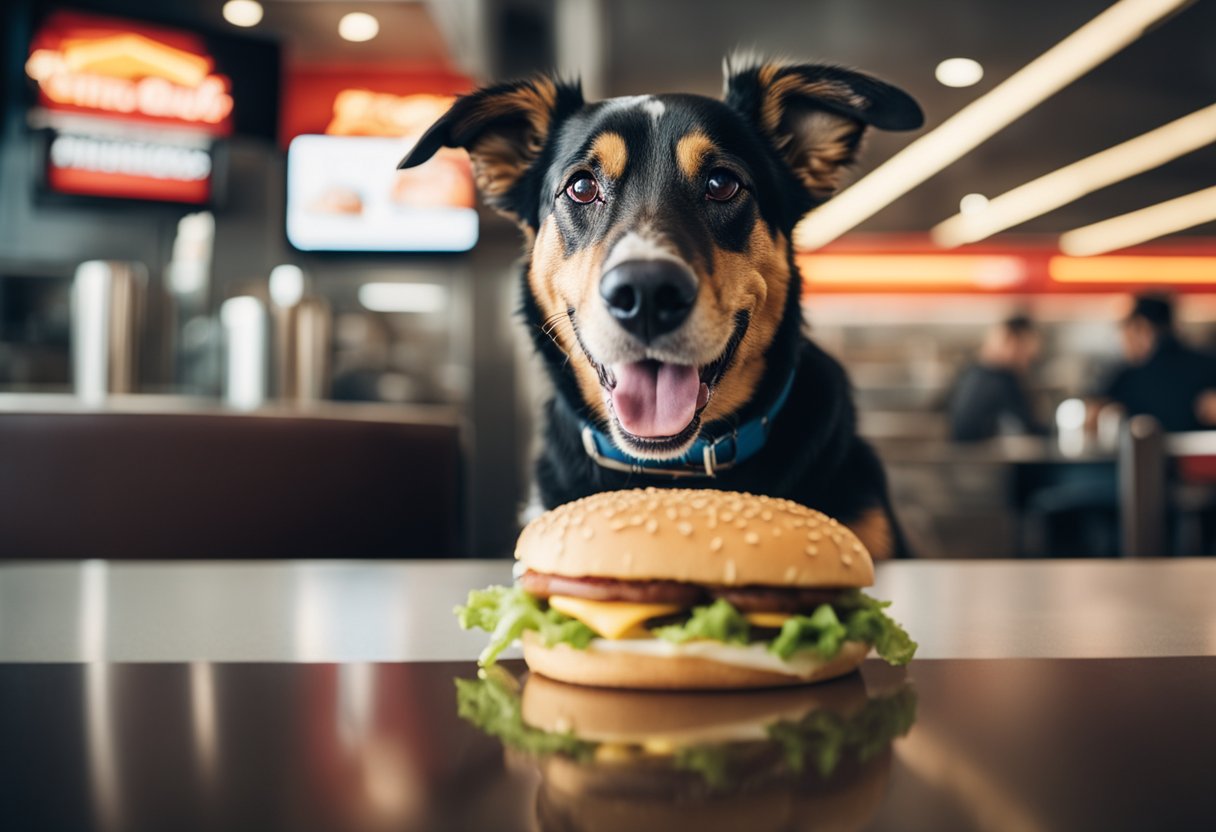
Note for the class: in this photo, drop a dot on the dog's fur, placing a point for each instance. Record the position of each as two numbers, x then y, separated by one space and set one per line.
786 133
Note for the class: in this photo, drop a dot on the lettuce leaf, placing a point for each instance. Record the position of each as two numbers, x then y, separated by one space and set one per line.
506 612
492 703
866 620
820 631
720 621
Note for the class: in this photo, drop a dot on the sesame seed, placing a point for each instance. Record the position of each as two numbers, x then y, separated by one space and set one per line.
846 559
671 513
586 533
752 538
812 550
636 520
776 531
741 523
684 528
766 515
727 517
857 547
652 525
715 544
617 525
731 572
791 574
814 535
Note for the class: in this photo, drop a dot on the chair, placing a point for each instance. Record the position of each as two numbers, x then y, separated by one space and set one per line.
90 484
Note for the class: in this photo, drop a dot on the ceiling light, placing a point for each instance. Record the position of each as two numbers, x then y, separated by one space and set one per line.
1132 269
403 297
973 203
358 27
959 72
1093 43
243 12
1143 225
1071 182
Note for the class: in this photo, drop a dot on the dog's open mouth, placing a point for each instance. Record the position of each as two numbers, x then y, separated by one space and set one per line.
657 405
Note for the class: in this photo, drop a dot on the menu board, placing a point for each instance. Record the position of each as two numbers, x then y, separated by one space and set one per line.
132 110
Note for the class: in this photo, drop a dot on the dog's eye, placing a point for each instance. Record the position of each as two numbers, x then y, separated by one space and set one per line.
583 189
721 186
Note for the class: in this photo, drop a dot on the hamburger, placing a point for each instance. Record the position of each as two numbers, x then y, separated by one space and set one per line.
789 758
687 589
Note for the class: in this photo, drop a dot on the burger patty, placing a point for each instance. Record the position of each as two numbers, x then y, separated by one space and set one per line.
742 598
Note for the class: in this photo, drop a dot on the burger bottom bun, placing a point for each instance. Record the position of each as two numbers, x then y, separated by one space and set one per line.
630 670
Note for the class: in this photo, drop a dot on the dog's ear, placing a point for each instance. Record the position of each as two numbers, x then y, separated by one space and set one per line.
815 114
504 128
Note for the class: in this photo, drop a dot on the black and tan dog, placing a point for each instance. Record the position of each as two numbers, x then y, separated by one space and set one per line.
660 285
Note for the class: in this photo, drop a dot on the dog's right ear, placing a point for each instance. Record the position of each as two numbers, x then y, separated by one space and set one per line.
504 128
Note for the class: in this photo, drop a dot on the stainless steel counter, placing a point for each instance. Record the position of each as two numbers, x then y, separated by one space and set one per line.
355 611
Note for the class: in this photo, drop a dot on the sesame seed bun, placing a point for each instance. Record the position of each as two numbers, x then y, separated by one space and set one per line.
643 672
697 536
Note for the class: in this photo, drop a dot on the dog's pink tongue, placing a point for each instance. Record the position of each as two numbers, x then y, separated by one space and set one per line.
654 399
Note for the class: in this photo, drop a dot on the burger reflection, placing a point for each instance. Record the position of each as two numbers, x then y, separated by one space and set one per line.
796 758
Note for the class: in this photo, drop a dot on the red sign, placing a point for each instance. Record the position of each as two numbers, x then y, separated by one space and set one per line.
121 70
105 166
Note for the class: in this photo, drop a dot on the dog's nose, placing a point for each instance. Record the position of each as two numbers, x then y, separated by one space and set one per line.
649 297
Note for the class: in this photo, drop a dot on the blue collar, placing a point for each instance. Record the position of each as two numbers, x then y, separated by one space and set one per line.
705 458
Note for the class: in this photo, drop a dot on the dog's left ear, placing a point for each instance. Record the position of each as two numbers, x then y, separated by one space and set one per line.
815 114
504 128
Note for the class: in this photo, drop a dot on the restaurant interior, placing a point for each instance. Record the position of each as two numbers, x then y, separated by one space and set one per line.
255 382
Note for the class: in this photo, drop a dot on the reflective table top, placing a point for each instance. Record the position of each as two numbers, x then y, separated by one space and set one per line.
1059 744
325 695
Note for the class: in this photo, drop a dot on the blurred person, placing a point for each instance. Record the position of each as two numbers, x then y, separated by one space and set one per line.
989 397
1162 377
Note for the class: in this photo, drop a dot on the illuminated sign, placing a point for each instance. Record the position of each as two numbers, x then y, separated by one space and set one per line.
115 167
95 65
367 113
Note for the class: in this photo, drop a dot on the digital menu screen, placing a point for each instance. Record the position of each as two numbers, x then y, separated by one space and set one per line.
344 193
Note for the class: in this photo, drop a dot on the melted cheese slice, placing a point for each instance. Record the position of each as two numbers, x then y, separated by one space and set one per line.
610 619
776 620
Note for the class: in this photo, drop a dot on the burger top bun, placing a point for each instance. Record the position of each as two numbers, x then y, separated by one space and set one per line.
695 536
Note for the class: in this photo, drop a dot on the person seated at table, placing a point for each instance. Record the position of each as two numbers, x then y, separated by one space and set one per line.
1161 377
989 397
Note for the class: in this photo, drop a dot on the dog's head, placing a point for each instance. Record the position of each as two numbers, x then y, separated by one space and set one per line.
659 226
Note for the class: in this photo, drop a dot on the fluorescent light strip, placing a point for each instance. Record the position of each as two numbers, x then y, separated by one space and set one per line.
1046 75
1139 269
422 298
1071 182
1143 225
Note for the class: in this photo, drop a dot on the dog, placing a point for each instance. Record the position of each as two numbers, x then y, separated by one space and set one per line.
660 285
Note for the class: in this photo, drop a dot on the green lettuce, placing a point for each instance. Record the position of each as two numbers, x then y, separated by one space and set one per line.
720 621
854 616
492 703
506 612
